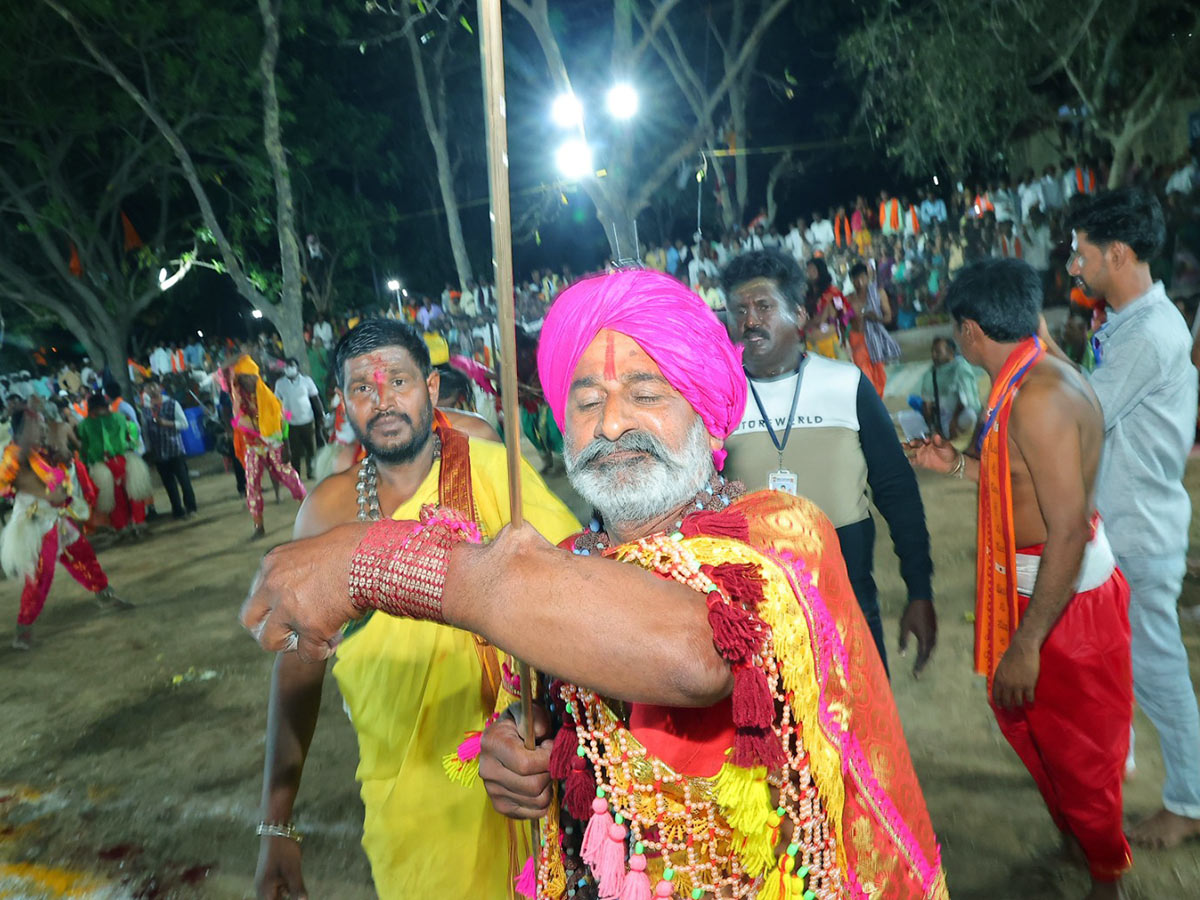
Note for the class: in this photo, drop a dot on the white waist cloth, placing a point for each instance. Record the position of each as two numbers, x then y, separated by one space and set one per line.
1097 566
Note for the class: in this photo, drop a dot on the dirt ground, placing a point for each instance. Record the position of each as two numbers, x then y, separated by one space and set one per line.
131 743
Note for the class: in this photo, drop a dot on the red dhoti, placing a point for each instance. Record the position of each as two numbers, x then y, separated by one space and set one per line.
1074 737
79 559
876 372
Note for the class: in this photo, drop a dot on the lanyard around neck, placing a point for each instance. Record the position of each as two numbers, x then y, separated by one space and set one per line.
787 433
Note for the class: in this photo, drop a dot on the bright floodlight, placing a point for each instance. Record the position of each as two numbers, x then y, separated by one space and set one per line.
393 285
567 111
574 159
622 101
199 333
256 313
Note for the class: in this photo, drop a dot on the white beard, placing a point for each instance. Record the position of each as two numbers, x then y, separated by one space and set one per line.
631 492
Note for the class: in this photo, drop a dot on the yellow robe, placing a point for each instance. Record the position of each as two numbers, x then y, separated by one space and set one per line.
412 690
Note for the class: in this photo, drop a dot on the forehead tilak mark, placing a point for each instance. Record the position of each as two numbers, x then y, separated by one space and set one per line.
610 363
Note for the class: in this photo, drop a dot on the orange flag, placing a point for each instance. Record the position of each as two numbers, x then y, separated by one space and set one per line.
132 239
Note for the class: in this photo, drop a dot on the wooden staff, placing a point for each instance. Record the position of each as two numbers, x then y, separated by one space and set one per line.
491 49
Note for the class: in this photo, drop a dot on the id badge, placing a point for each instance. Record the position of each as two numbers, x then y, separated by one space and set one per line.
783 480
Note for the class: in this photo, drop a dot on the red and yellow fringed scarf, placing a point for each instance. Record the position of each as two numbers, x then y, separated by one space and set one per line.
996 611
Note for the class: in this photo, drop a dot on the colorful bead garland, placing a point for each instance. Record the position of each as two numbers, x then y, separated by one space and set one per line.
690 825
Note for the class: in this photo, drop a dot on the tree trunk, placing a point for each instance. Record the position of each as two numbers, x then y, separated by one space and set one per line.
436 131
288 315
741 174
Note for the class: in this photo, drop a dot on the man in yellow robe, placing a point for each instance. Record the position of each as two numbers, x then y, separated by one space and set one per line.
414 692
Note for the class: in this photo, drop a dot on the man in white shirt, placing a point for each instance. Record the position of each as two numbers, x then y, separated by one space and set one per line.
1069 187
468 303
88 375
793 242
324 330
701 264
1183 179
820 233
1004 202
301 402
1038 244
1052 193
160 361
1029 194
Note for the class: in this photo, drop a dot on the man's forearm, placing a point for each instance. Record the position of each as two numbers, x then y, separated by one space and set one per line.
1062 557
614 628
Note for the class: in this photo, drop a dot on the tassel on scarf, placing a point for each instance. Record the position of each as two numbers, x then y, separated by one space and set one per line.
527 881
580 790
462 766
596 832
637 882
563 753
728 523
741 581
781 884
744 797
757 747
753 705
735 632
609 867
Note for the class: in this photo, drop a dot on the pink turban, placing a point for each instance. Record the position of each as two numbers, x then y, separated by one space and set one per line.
673 325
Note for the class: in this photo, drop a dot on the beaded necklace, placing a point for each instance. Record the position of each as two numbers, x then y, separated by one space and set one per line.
368 484
715 835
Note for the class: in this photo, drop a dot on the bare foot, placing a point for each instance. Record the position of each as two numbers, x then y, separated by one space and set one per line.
1105 890
259 533
1164 830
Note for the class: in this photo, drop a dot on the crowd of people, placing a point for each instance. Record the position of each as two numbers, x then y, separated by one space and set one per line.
1079 572
688 419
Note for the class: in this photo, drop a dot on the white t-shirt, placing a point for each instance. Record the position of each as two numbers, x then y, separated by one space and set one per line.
820 234
295 396
794 244
1031 196
1037 245
1182 181
1004 205
1052 192
324 330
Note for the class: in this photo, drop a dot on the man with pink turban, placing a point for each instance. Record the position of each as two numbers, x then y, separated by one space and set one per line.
712 719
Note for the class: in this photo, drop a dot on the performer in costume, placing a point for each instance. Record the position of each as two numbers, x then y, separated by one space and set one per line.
417 695
108 445
871 347
258 438
749 745
50 496
1052 631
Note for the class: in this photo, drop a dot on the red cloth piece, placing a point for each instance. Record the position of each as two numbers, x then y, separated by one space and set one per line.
1074 737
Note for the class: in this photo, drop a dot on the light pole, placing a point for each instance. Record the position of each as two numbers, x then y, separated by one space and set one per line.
574 157
393 285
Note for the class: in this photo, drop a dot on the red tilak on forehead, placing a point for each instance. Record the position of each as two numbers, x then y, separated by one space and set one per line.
610 362
380 376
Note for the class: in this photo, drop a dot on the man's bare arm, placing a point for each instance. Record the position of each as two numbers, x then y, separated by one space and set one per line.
615 628
612 627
